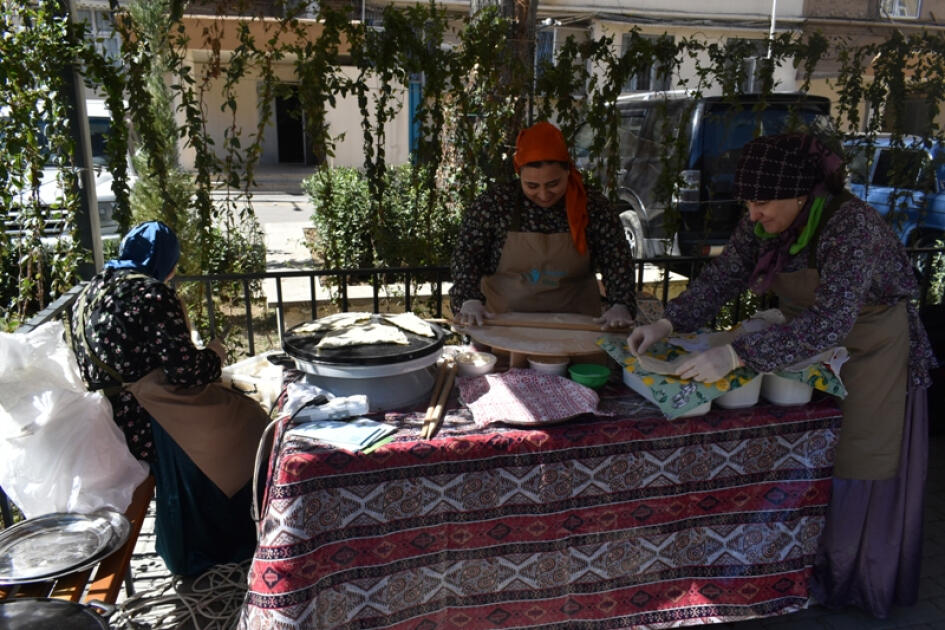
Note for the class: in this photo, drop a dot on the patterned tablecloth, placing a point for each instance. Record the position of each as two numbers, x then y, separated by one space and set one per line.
627 521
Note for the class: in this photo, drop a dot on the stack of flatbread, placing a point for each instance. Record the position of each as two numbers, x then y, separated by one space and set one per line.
360 329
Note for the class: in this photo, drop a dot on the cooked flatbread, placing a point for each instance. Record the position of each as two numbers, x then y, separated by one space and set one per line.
333 322
367 334
411 323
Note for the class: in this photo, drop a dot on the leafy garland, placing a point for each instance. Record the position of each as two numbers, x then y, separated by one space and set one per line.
476 93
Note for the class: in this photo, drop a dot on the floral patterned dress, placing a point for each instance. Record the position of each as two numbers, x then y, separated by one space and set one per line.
861 263
138 324
487 221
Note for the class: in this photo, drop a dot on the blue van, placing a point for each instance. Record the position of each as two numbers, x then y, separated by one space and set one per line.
904 179
699 140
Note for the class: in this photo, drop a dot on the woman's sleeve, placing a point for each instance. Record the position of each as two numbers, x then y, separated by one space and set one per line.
849 253
721 280
472 253
611 254
181 361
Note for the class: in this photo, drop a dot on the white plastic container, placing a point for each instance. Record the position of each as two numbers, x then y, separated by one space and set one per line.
549 365
474 363
744 396
633 382
785 391
256 377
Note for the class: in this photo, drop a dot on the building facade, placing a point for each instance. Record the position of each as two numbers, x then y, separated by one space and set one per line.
714 21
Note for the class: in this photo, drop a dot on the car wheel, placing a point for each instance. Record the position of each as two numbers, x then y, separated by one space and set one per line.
633 231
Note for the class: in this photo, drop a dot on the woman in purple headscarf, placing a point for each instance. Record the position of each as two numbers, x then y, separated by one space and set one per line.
128 319
842 279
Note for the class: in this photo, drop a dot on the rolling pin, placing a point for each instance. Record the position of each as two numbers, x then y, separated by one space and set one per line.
555 325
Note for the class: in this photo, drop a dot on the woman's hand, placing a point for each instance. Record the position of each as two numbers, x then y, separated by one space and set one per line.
711 365
617 316
643 337
473 312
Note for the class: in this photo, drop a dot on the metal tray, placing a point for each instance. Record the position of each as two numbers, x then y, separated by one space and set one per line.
53 545
48 614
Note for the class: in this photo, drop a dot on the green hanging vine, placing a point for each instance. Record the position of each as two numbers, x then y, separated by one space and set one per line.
475 94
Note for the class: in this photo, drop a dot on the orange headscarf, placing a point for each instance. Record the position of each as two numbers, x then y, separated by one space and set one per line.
543 142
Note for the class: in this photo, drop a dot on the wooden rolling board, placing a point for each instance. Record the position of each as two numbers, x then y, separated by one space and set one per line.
520 341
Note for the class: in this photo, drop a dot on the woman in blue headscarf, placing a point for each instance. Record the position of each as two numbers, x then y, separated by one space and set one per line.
131 321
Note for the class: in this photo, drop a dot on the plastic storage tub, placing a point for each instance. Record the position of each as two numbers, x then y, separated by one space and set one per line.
591 375
744 396
785 391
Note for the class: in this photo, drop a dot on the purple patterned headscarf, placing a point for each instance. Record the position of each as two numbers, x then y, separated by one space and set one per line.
784 166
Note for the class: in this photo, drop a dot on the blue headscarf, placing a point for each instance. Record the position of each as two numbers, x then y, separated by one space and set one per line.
150 247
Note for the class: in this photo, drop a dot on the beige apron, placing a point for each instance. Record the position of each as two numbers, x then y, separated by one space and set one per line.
875 376
219 428
541 273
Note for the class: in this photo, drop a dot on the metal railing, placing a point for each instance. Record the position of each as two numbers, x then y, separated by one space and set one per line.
341 282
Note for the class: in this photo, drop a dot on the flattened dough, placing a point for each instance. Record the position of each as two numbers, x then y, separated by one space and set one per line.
411 323
333 322
369 334
660 366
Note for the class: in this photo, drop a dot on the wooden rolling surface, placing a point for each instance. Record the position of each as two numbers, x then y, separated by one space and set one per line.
522 335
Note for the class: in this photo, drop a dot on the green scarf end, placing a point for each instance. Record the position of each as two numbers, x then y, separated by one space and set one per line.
813 220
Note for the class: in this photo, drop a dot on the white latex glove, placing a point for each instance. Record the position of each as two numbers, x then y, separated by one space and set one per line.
472 312
617 316
643 337
711 365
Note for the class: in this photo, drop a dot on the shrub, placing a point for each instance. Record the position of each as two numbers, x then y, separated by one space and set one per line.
341 218
413 223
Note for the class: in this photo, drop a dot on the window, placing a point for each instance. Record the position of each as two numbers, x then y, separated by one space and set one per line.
899 167
908 9
858 166
656 78
101 30
544 49
753 64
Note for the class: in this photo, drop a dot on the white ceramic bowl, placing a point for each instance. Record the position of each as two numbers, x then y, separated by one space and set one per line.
744 396
549 365
475 363
785 391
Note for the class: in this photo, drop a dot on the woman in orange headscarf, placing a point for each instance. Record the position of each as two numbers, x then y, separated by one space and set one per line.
534 245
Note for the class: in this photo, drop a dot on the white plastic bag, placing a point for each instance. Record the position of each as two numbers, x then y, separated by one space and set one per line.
60 449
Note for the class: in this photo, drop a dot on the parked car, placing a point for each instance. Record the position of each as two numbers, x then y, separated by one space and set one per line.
711 132
50 191
904 180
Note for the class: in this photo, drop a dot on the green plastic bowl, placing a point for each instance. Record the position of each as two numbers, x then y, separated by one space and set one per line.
590 374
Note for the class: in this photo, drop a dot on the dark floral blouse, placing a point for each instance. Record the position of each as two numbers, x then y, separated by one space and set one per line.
860 262
137 325
487 221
